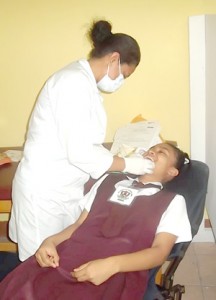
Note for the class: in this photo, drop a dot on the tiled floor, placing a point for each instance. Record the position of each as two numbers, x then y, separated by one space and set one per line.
197 272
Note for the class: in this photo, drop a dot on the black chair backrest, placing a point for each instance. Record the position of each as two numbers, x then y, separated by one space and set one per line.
192 183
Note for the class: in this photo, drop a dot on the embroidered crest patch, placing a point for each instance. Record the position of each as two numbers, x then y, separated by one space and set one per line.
124 195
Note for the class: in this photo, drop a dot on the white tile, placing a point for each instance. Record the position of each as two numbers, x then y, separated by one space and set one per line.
205 248
207 269
209 293
187 272
193 293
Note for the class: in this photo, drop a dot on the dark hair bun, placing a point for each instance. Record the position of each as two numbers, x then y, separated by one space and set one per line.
99 32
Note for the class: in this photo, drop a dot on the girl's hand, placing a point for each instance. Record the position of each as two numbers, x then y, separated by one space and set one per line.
47 255
96 271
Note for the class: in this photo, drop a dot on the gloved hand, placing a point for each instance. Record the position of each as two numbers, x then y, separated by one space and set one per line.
138 165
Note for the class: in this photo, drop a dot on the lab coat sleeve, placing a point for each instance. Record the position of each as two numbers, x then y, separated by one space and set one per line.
175 220
81 123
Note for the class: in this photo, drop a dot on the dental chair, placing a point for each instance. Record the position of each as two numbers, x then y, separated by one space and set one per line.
192 183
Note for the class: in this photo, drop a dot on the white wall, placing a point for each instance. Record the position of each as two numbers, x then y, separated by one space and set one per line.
202 45
210 23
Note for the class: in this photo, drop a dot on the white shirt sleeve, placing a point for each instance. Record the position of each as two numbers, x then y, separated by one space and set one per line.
88 199
175 220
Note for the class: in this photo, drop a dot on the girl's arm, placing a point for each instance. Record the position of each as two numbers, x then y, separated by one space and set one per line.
100 270
47 255
147 258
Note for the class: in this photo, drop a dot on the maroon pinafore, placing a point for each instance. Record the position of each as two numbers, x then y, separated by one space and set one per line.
110 229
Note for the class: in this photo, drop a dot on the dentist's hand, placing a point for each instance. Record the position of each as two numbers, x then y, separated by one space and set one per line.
138 165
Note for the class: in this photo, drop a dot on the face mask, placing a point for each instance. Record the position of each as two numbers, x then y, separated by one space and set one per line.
108 85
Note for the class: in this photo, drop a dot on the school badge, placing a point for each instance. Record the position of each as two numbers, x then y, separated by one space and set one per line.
124 195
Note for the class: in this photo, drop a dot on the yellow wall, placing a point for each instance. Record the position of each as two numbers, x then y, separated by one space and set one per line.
37 37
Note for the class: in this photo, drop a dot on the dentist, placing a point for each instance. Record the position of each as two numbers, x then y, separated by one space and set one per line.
64 148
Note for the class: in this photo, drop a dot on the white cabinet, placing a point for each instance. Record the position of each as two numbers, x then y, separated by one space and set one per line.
202 47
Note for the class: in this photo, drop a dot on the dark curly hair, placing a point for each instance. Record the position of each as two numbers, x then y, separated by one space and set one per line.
181 157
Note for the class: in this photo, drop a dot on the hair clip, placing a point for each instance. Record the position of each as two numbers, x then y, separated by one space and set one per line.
186 161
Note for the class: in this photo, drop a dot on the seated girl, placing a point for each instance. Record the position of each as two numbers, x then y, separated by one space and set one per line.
127 227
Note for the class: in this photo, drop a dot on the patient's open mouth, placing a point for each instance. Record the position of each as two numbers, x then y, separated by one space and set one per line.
149 157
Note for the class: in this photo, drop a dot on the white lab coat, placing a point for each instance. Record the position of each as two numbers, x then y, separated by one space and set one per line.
63 148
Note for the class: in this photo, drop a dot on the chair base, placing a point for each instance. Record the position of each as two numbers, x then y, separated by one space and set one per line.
174 293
